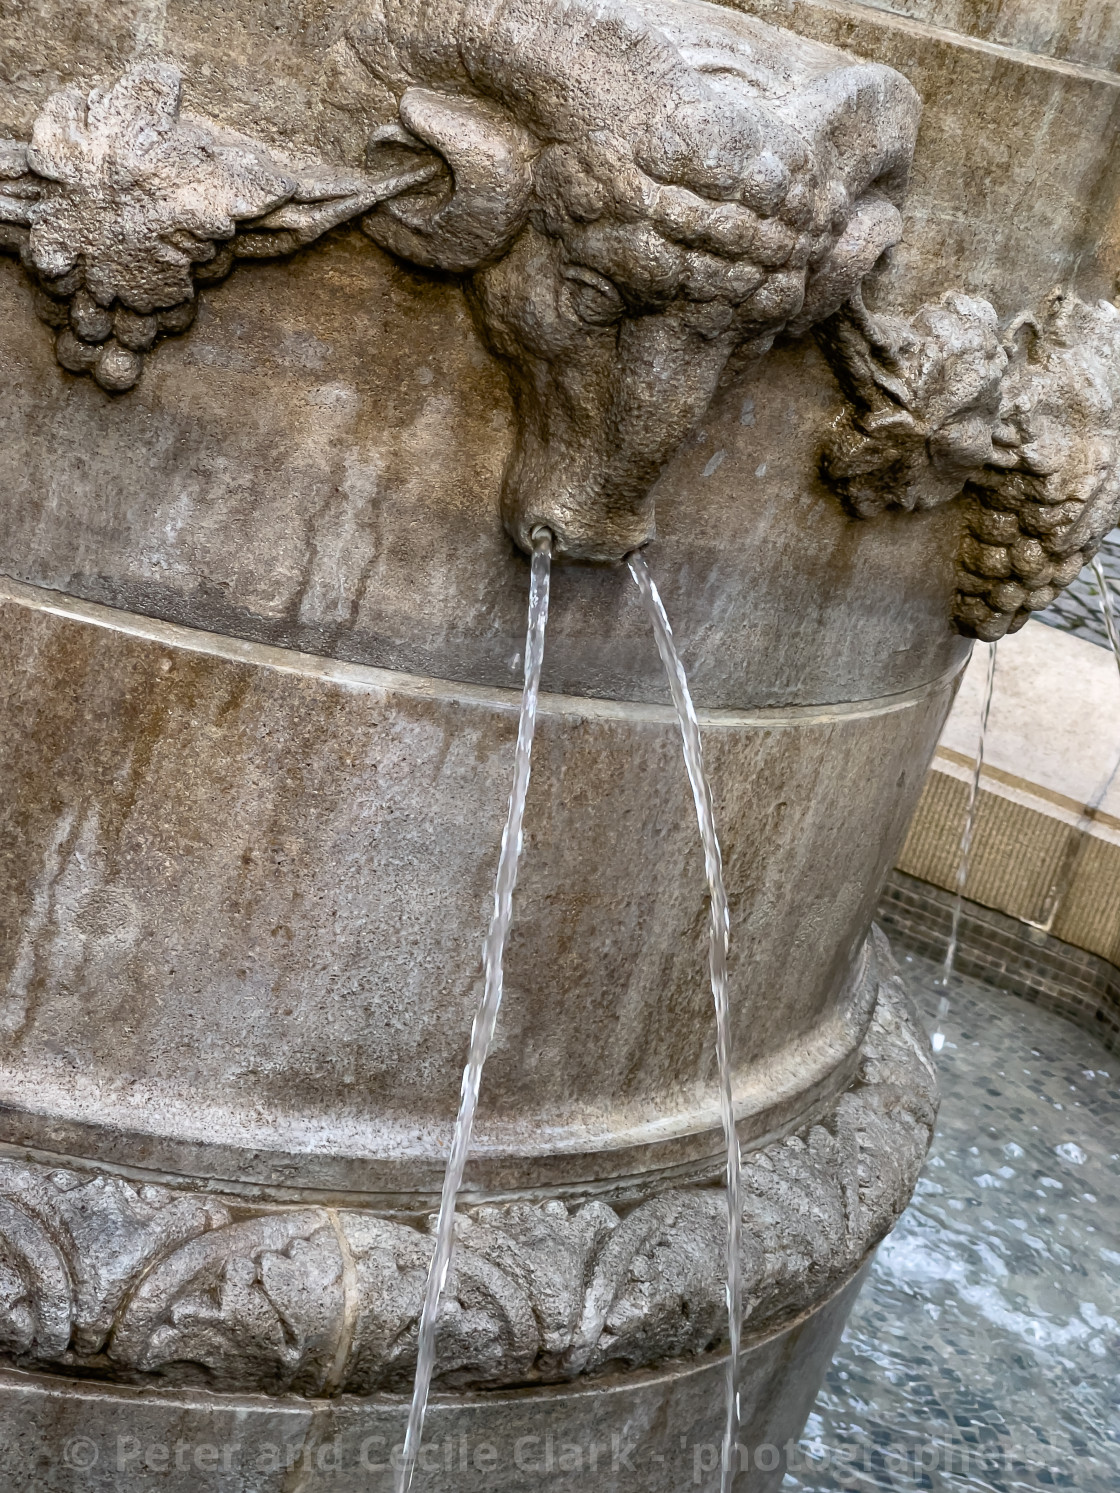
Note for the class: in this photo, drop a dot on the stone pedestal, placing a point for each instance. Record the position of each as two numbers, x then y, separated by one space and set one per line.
262 617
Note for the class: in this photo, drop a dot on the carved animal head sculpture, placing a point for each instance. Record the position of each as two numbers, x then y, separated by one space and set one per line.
636 191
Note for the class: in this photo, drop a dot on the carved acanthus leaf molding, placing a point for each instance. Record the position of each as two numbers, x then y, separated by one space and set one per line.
1026 425
151 1284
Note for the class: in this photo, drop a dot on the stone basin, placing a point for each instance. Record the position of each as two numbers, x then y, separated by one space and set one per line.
262 611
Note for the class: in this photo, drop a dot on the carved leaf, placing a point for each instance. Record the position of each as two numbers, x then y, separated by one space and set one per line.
924 398
18 193
35 1293
391 1267
140 193
255 1305
552 1253
109 1230
658 1285
487 1328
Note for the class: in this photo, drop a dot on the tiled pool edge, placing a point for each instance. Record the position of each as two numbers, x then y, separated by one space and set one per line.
1004 952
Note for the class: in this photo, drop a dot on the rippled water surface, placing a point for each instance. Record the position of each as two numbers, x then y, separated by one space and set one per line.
984 1352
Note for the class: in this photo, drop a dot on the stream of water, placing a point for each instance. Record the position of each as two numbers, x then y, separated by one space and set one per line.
938 1038
719 927
1104 589
482 1033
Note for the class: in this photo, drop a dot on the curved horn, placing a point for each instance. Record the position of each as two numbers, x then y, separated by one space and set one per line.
490 160
874 227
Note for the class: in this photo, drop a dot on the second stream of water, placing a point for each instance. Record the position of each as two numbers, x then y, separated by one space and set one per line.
482 1034
719 933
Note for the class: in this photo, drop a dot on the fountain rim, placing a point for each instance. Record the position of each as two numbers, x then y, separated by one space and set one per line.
370 679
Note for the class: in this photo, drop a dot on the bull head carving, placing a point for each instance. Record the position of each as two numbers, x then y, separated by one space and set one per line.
633 192
636 192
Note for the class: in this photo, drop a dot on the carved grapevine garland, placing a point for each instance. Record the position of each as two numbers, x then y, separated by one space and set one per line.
754 199
1026 426
121 205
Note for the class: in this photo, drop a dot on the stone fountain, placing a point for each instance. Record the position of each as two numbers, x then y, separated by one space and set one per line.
341 302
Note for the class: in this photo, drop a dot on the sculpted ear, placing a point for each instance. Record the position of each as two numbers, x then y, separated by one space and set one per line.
471 220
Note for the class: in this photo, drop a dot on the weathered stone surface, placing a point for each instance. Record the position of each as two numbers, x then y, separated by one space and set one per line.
1077 31
356 513
1016 174
192 586
143 1281
245 900
249 871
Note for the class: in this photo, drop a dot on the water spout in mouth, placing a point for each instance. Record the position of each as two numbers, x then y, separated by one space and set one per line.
719 927
486 1019
938 1038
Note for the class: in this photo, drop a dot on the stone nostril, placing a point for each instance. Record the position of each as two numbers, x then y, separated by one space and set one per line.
541 537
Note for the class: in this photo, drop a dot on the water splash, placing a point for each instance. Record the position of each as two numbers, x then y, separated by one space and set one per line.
982 1351
482 1033
1104 595
719 928
938 1038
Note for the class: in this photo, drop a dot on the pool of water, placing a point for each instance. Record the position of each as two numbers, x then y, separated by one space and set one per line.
1078 608
984 1352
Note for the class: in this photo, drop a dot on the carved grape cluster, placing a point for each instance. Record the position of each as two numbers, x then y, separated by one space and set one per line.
1034 520
121 206
1006 569
108 342
1027 428
117 207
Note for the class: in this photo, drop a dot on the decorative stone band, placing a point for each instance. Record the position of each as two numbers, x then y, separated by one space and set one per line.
121 206
635 196
144 1283
1026 426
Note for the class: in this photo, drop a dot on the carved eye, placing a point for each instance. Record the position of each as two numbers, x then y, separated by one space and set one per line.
591 296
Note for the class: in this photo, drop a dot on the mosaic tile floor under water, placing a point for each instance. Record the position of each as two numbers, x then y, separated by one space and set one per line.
984 1352
1078 608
